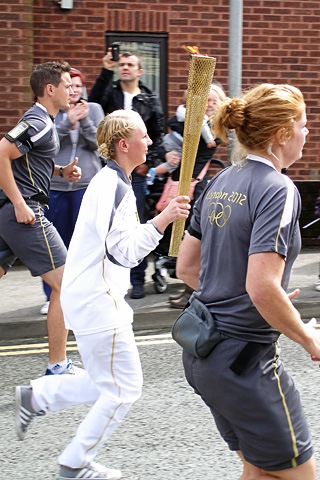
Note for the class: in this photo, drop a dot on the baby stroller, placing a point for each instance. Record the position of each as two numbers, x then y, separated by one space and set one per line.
165 265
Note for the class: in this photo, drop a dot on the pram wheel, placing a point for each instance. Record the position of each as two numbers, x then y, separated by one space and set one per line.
160 283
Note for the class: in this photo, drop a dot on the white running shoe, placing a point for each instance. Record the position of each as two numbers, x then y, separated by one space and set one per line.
91 470
73 368
44 309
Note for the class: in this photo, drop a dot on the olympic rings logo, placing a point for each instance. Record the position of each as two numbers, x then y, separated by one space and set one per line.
219 213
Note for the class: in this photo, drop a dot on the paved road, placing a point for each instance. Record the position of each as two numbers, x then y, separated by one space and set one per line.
21 297
168 434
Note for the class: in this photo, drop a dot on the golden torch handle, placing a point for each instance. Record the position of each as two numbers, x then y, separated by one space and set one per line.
201 71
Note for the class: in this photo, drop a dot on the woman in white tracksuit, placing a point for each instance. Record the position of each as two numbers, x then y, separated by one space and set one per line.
108 240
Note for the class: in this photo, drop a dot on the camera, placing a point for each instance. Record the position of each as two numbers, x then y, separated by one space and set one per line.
115 52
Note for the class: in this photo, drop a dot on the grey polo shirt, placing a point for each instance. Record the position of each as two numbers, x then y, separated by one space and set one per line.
34 169
243 210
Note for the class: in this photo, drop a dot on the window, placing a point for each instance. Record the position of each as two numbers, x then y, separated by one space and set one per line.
153 52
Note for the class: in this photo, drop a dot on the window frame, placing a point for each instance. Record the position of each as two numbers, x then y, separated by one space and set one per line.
159 38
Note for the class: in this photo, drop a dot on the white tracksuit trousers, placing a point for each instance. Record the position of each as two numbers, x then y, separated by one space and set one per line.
111 383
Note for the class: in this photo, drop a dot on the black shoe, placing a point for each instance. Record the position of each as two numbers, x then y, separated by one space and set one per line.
137 291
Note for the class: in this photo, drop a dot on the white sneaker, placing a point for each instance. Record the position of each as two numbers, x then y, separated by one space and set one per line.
73 368
91 470
44 309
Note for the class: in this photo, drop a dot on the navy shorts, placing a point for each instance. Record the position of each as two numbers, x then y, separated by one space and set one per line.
39 246
257 411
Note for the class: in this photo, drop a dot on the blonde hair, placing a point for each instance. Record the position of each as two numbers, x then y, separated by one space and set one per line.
221 98
115 126
219 91
214 87
258 114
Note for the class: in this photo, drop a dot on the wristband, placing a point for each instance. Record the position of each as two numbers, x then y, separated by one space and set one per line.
61 172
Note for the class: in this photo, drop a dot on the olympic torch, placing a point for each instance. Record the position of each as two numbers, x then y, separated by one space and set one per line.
201 72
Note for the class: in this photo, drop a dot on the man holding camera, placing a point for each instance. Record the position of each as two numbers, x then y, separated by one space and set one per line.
130 93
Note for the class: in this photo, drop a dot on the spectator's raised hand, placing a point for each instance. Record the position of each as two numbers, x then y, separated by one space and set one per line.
72 172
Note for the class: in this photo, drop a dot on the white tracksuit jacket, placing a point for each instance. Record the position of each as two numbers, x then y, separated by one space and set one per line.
107 241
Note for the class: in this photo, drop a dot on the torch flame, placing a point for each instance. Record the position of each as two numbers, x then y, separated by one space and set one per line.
193 49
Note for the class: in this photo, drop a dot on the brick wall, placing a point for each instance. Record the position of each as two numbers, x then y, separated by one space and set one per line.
16 60
280 44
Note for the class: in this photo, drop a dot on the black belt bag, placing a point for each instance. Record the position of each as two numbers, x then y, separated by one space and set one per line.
38 197
194 330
